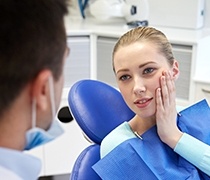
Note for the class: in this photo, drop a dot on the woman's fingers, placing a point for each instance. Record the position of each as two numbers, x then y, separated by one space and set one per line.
167 89
171 88
164 89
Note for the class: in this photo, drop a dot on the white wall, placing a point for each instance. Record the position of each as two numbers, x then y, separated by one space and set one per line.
74 11
207 14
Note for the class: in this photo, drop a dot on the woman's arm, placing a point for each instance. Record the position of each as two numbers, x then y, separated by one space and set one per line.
195 151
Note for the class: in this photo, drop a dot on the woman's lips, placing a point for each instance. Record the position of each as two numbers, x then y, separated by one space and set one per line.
142 103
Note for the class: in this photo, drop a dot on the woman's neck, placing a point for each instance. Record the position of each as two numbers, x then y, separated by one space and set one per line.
140 125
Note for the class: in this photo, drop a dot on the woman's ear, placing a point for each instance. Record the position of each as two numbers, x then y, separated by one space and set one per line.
175 70
40 89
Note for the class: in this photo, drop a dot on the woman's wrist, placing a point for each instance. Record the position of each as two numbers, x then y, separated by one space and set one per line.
172 140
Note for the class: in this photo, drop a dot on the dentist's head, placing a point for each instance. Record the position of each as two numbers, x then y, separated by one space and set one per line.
33 50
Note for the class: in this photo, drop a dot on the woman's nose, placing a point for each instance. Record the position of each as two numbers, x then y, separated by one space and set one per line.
139 87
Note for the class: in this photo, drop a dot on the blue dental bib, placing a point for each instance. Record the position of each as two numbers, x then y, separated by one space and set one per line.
151 159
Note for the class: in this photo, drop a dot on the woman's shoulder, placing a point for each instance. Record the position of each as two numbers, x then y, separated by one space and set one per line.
121 131
118 135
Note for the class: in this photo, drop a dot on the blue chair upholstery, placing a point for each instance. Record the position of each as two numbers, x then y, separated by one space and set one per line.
82 167
97 108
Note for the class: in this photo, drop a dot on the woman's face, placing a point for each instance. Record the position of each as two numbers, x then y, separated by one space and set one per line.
138 69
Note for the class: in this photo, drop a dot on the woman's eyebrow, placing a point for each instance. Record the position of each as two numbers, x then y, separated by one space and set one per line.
142 65
122 70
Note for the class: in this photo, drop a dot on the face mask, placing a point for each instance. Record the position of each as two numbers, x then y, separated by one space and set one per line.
37 136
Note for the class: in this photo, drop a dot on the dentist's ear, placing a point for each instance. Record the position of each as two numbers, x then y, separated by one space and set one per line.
40 89
175 70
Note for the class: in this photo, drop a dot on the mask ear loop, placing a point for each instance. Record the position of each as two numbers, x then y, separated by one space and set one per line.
33 115
52 101
52 96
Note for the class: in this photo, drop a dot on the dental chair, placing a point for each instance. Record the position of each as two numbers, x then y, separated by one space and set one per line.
97 108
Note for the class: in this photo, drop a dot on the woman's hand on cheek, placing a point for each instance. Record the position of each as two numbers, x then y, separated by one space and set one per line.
166 111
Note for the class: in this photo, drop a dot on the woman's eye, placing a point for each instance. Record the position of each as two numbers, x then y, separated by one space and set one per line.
124 77
148 70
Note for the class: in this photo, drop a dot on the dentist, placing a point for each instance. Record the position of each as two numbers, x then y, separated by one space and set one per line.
32 55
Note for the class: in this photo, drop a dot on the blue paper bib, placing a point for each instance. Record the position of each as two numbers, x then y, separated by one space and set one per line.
151 159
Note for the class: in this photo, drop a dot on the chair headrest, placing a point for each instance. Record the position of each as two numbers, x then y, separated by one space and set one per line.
98 108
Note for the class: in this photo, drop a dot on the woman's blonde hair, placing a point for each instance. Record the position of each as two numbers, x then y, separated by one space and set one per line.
145 34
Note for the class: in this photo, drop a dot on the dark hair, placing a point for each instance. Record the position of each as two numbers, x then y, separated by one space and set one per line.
32 38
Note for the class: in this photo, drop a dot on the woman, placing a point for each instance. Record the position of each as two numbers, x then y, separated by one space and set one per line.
145 70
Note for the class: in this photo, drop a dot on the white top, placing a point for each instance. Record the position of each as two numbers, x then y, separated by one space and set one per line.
7 174
17 165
